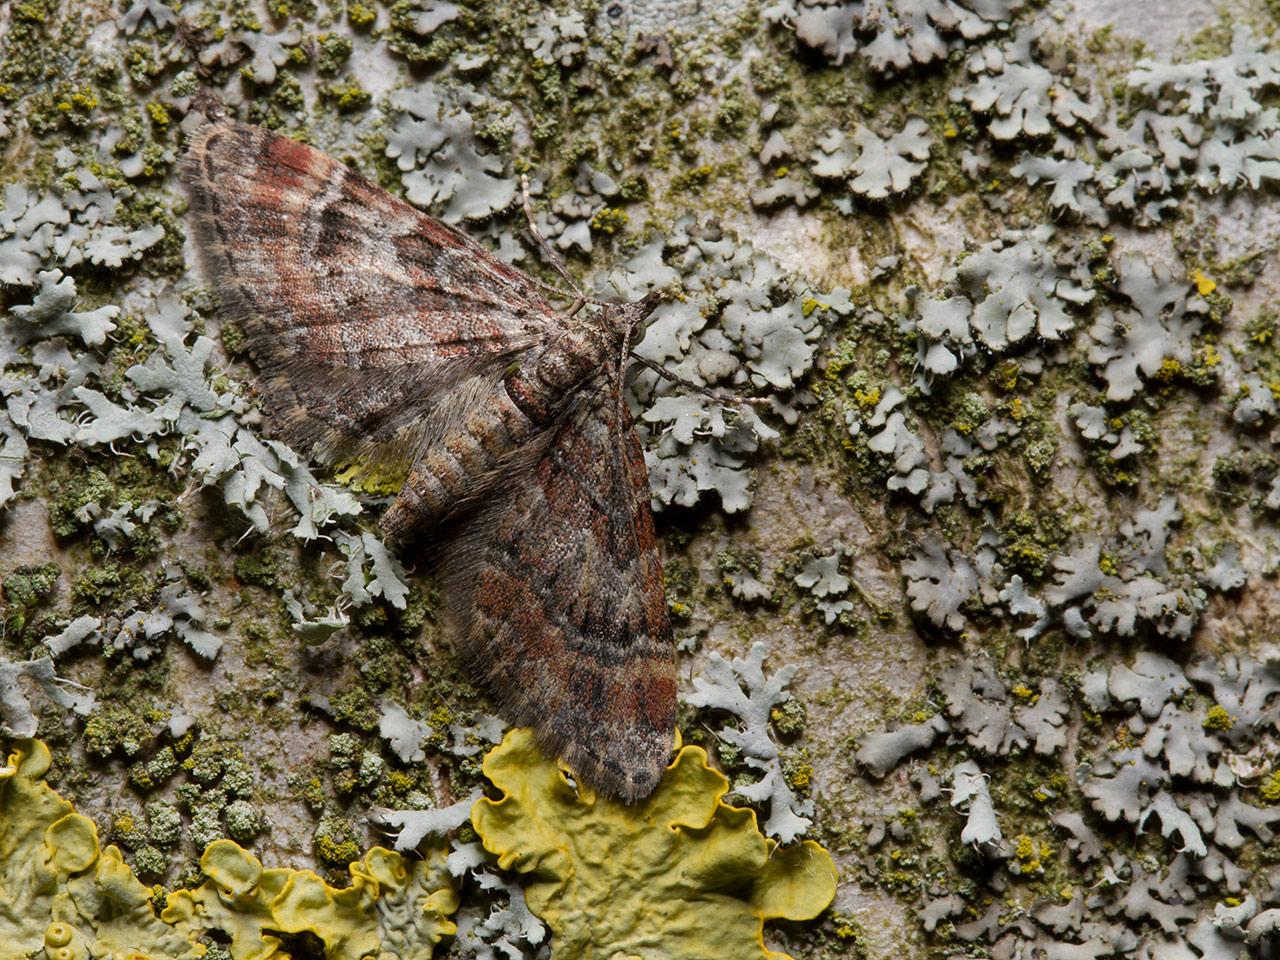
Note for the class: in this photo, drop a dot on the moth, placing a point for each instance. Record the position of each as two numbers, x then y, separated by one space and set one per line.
389 340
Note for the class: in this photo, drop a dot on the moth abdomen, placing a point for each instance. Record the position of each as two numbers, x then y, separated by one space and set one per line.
461 465
469 458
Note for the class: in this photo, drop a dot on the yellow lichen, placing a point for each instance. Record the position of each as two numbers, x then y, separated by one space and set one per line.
159 114
1025 693
60 896
1170 370
63 898
1218 719
610 220
1030 854
810 304
1204 285
799 776
361 15
1269 792
379 480
679 875
393 907
867 398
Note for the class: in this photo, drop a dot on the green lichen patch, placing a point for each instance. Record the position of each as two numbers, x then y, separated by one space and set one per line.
390 907
62 894
24 591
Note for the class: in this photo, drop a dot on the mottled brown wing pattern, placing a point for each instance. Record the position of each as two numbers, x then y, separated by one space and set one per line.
359 310
558 588
386 337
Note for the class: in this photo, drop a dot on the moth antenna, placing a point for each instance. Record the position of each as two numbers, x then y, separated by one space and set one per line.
580 298
554 258
624 350
716 395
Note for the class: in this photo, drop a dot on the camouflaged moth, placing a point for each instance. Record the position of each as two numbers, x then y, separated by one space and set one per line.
390 340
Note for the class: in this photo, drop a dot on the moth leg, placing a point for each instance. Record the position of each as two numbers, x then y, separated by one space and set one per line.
716 395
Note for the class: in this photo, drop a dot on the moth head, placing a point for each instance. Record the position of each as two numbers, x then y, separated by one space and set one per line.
634 315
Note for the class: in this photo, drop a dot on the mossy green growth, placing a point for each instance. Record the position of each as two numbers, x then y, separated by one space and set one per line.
1218 719
361 16
25 589
335 841
81 488
261 569
346 94
1269 792
64 898
610 220
27 586
680 875
334 51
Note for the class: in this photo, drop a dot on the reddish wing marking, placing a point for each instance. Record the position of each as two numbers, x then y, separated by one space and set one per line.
558 585
386 335
358 308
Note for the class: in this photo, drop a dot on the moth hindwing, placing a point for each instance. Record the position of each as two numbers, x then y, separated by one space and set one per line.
392 342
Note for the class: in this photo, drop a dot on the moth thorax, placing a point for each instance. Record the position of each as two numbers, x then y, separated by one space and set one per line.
547 381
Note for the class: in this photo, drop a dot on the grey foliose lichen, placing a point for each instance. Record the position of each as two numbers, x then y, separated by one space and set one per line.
737 326
890 36
1174 770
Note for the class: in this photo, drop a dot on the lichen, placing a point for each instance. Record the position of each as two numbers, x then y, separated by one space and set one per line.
679 874
64 894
